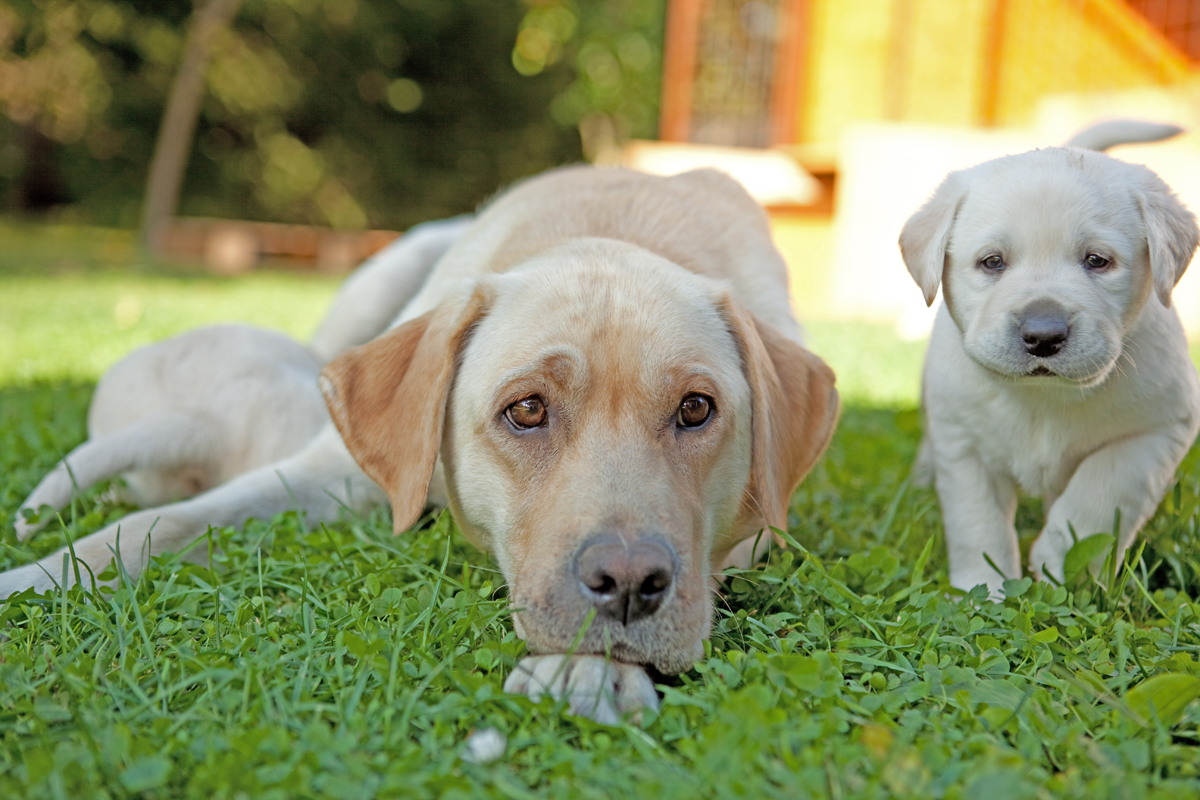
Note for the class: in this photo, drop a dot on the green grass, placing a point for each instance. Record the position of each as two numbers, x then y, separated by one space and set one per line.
344 662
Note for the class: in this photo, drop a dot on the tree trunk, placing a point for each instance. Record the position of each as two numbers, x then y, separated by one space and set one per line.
179 121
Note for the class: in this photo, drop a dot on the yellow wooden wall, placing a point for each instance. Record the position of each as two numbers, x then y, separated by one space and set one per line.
944 62
1054 46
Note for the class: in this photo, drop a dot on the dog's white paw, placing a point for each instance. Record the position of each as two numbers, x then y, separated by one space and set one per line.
593 686
1048 556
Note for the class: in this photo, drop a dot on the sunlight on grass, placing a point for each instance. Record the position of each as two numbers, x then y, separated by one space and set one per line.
74 326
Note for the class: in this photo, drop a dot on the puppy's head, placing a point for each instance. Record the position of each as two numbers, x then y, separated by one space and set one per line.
1047 258
610 426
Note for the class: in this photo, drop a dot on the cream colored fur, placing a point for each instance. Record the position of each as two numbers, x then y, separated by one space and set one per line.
1095 428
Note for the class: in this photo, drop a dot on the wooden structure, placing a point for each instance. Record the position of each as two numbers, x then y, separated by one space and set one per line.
230 247
760 73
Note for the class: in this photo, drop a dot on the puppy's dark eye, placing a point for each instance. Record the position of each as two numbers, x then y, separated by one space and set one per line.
992 263
527 413
694 411
1094 261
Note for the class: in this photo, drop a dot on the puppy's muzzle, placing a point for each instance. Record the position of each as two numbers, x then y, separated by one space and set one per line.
626 580
1044 328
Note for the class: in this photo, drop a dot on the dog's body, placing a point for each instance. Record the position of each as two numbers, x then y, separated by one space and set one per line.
1056 365
181 416
602 379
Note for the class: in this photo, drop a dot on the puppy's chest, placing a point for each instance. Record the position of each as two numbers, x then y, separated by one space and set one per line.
1041 463
1041 448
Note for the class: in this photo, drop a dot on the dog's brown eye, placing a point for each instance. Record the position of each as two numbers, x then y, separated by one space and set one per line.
1095 261
527 413
992 263
694 411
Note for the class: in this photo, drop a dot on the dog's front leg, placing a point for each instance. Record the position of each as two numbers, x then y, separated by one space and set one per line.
977 512
593 686
1131 475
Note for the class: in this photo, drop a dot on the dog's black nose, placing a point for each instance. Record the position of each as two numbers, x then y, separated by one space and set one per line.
1044 329
626 579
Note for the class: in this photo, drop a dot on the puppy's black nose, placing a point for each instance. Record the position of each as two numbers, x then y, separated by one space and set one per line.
625 579
1044 328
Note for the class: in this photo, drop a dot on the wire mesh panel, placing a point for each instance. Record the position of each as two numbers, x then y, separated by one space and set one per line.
731 96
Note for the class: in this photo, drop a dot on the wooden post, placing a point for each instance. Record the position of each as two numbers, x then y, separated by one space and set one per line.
791 55
679 69
990 71
178 126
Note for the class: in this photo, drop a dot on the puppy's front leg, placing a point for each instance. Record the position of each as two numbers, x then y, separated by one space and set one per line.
977 512
1131 475
593 686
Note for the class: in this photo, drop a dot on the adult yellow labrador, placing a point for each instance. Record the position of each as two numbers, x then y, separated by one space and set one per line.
604 382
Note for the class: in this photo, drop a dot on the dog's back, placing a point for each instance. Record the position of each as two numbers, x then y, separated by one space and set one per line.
702 220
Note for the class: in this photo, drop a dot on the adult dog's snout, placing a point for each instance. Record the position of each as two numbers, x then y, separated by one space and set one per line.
1044 328
626 580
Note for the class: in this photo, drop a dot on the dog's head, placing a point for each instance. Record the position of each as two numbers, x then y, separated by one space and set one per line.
1047 259
610 426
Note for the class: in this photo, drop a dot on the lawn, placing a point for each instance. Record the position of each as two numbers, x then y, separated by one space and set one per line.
344 662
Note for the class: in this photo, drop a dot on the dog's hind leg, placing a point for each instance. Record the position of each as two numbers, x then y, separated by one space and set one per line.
320 481
172 453
378 290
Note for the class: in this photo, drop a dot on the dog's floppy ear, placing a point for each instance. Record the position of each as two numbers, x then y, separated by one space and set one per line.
795 408
388 400
1171 234
926 235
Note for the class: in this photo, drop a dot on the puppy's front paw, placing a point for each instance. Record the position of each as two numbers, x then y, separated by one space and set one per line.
1048 556
593 686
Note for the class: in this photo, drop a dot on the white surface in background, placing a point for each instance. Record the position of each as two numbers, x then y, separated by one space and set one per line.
887 170
772 177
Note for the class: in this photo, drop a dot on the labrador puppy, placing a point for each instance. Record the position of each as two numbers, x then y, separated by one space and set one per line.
604 382
181 416
186 414
1056 365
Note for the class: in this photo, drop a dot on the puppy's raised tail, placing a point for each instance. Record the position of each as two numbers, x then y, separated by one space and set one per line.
1112 132
157 442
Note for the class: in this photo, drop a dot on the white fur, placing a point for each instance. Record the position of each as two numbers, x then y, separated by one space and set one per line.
184 415
1107 429
183 418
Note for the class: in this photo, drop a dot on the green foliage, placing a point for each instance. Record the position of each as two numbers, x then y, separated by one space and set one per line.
615 49
348 113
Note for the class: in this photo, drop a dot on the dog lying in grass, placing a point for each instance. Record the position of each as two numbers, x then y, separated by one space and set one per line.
604 382
181 416
1057 365
184 415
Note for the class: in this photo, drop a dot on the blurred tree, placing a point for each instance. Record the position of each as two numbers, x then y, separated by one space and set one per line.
613 50
348 113
174 140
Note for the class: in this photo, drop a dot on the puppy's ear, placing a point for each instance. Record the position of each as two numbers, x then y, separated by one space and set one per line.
388 400
795 409
926 235
1171 234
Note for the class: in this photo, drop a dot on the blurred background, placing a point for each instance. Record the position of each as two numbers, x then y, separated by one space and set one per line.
148 144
